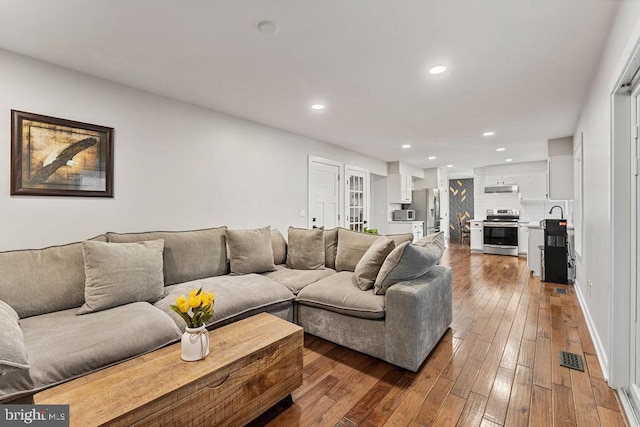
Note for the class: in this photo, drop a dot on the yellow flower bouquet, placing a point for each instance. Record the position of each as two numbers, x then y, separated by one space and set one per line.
196 309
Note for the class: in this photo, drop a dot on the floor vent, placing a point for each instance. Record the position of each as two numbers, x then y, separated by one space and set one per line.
571 360
561 291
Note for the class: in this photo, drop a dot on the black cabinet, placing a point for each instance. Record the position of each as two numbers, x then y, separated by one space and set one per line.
555 264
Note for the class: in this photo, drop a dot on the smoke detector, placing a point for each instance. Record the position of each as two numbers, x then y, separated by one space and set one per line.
268 27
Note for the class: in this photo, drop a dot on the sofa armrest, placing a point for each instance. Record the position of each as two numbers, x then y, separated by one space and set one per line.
417 314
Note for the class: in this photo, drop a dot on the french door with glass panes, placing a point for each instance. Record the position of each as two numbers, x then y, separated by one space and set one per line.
357 198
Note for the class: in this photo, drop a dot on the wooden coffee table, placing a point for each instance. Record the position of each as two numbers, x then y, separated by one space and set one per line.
254 364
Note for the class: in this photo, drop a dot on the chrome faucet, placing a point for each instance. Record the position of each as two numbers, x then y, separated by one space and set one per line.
561 211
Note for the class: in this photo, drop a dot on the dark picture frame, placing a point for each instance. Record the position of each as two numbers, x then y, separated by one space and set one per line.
58 157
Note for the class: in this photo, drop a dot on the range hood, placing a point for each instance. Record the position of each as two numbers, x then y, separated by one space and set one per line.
501 189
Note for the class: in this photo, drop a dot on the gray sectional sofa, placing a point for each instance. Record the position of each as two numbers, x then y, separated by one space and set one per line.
385 297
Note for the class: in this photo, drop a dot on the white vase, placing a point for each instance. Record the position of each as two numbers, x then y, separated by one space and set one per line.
195 344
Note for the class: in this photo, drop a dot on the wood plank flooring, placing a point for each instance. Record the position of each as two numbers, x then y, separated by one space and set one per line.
496 366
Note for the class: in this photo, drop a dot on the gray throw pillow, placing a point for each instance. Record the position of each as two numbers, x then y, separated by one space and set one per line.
250 251
437 238
121 273
351 248
401 238
330 247
409 261
279 247
306 249
369 266
13 354
188 255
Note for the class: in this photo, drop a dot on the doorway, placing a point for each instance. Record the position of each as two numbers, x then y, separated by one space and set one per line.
324 193
357 198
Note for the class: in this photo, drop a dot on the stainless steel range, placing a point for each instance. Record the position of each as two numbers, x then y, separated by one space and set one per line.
501 232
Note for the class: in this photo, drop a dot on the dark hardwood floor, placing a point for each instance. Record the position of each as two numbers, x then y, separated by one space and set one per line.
496 366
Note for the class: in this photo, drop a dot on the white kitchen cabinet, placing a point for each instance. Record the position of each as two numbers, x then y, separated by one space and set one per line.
476 237
533 186
561 177
417 228
500 180
523 238
399 188
399 227
536 238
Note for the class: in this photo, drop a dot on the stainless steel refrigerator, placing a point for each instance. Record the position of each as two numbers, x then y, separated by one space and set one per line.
426 203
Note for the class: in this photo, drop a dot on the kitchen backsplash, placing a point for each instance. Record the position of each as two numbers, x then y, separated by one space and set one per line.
529 210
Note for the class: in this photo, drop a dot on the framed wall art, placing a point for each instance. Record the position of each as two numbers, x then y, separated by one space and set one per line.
58 157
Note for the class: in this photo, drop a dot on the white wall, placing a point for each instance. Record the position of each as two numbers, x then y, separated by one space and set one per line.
430 179
595 122
379 206
177 166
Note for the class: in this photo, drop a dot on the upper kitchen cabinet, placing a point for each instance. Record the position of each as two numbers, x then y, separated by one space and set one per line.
560 168
500 180
399 183
533 185
400 187
561 177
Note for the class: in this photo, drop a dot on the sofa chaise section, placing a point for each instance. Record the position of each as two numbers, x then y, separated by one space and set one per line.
62 345
400 327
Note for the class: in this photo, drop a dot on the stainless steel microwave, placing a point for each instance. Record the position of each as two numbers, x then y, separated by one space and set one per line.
404 215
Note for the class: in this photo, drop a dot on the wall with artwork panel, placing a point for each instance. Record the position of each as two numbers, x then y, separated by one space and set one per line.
460 201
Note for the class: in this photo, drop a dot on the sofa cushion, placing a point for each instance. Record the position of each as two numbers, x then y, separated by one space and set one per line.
250 251
279 247
399 239
306 248
351 247
369 265
188 255
330 247
13 354
409 261
55 274
237 297
121 273
295 280
337 293
62 346
437 238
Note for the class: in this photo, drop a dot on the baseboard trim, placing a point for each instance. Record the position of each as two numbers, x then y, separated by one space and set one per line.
597 342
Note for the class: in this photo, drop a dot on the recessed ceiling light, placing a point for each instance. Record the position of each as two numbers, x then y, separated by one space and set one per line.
438 69
508 160
500 149
488 133
432 157
449 166
317 107
406 145
268 27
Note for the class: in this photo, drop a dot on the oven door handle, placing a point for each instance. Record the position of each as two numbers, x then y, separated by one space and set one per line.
500 246
501 224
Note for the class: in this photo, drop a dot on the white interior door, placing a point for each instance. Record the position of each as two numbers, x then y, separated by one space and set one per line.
357 198
324 193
